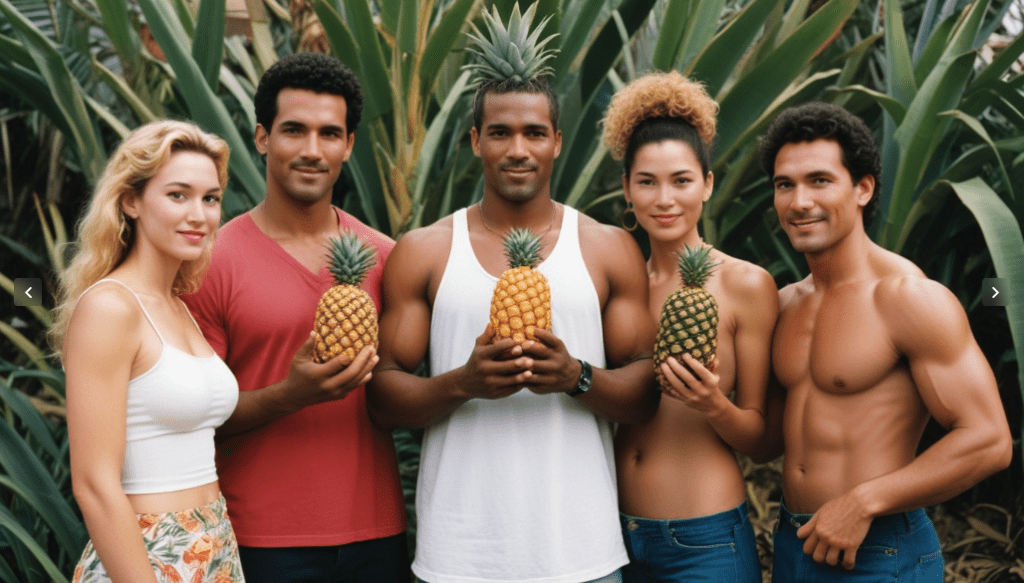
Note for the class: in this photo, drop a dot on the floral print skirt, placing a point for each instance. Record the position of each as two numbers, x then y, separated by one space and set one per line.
192 546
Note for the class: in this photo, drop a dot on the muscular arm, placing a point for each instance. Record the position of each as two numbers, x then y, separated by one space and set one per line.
101 343
928 327
624 392
398 398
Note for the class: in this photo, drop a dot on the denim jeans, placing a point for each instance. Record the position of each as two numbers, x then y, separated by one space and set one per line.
719 548
382 560
899 548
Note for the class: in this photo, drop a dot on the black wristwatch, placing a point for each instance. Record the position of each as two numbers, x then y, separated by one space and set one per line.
585 380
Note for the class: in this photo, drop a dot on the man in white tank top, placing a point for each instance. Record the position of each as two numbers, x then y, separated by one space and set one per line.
517 477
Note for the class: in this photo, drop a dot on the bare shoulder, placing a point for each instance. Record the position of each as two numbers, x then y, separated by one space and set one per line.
104 316
922 315
419 255
610 245
746 281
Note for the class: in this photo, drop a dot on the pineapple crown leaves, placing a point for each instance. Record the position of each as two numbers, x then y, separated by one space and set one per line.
695 266
349 258
512 53
522 248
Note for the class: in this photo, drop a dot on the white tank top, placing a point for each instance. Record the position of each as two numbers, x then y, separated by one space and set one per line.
173 410
522 488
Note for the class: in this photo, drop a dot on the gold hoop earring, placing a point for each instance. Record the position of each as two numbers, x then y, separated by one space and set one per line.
625 215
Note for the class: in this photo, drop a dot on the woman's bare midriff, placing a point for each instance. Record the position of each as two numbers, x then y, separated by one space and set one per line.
675 466
175 501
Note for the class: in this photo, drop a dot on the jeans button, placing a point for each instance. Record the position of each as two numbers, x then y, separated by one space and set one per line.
632 525
794 522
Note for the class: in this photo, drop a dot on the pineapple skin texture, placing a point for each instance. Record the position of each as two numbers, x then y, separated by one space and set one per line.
689 324
521 304
346 322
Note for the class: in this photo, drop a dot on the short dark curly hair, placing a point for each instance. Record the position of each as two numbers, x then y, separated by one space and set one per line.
313 72
537 85
815 120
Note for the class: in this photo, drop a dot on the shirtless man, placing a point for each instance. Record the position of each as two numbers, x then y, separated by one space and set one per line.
517 477
867 348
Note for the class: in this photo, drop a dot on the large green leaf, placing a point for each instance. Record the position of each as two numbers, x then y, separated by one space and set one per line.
10 523
719 58
36 486
1005 243
117 24
339 36
66 92
919 135
669 37
208 41
37 426
371 60
899 79
748 99
442 39
572 42
205 107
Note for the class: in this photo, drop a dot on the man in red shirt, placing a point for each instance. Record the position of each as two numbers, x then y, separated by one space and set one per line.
312 486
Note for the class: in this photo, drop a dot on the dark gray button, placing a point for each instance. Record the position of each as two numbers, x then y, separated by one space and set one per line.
995 291
28 291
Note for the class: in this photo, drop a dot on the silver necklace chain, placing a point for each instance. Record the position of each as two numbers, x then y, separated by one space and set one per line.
551 223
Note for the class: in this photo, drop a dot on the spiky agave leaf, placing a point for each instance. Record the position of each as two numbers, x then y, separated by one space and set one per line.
512 51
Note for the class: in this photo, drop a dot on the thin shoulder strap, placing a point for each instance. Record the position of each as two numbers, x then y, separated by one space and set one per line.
190 316
138 299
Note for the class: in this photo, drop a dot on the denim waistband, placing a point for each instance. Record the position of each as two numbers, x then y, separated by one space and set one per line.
709 523
882 528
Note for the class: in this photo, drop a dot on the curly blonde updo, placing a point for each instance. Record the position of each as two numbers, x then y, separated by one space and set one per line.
658 95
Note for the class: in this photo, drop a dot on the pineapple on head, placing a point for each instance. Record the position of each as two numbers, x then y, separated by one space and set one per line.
689 316
346 318
522 299
512 53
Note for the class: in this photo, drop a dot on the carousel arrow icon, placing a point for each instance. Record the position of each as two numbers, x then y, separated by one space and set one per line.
995 294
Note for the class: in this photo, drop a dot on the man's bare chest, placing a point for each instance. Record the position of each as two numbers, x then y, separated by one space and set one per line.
836 342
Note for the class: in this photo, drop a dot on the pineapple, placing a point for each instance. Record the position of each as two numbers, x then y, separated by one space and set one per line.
689 316
346 319
522 299
513 53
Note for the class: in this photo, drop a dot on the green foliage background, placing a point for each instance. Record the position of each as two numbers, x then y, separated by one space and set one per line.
76 75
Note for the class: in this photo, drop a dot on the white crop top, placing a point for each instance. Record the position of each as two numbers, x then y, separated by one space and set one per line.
173 410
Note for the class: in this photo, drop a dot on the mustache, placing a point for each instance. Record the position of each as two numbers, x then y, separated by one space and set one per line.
516 166
319 166
798 216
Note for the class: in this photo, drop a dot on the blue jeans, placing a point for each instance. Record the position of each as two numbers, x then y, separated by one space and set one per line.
898 548
719 548
382 560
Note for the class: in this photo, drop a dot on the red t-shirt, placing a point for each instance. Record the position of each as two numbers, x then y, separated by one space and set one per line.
323 475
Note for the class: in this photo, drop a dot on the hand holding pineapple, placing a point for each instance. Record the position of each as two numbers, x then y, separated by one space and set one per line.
689 316
522 299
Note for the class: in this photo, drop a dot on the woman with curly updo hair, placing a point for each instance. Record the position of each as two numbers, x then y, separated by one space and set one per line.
682 495
144 389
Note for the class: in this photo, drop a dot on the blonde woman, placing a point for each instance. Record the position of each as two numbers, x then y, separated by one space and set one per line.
144 389
682 495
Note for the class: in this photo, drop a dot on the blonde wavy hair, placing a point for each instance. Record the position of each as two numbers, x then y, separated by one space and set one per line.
106 235
658 95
